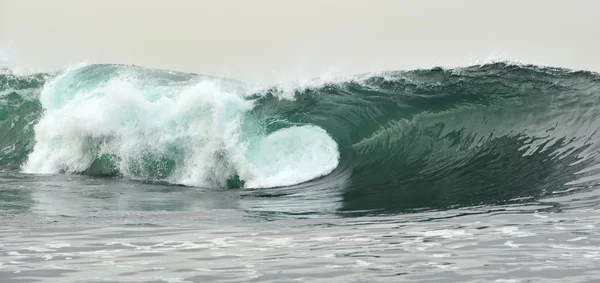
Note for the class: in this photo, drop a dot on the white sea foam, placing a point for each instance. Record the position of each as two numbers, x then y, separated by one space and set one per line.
198 127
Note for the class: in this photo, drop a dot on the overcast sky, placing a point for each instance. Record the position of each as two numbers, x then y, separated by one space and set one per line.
260 38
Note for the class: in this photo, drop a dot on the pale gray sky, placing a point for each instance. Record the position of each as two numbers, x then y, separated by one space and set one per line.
253 39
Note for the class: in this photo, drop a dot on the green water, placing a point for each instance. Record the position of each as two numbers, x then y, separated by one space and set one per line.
393 141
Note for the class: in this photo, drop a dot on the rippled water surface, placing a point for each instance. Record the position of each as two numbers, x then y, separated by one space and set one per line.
79 229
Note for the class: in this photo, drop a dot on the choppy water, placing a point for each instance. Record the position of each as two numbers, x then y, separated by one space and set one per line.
117 173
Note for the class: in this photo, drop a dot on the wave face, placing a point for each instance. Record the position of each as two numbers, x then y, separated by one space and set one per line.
389 141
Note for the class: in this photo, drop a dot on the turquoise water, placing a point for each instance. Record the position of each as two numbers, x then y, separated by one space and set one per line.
126 174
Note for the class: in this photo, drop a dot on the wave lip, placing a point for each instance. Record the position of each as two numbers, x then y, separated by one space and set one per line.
293 155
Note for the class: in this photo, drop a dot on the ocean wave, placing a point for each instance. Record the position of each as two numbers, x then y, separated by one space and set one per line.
436 137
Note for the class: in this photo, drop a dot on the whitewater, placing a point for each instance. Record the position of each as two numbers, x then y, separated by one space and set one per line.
142 124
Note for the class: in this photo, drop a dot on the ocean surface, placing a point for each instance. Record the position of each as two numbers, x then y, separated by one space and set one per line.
118 173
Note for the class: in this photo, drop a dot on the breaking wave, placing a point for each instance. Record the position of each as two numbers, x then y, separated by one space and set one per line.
471 135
